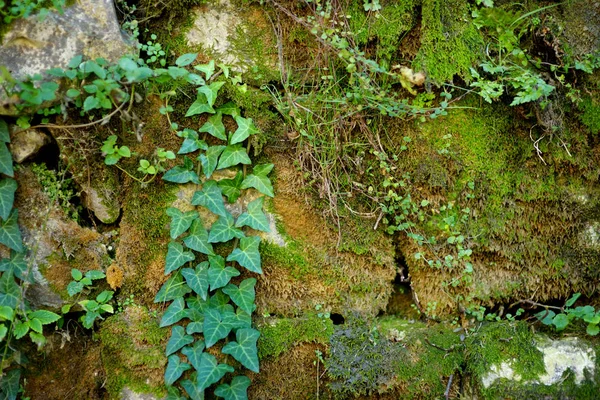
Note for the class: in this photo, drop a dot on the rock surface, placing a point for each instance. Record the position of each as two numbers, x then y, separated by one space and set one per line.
25 144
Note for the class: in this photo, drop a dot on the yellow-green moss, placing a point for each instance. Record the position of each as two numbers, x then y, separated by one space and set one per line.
450 43
279 335
133 352
591 114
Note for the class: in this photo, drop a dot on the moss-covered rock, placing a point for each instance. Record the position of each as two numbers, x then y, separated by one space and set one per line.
132 345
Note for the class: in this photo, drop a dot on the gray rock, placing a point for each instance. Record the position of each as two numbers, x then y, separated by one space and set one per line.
128 394
25 144
89 28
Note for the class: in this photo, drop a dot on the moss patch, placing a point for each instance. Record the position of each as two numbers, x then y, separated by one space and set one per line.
133 352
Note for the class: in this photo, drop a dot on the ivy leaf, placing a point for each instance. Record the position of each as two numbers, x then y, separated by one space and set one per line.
174 313
233 155
181 174
214 126
247 254
10 235
237 390
239 318
200 106
10 292
9 384
260 183
244 348
6 164
17 264
215 327
229 108
262 169
175 368
210 371
5 135
242 296
197 279
220 302
195 327
232 188
218 274
223 230
173 288
186 59
191 142
211 91
198 238
245 129
194 353
178 339
208 69
8 187
210 197
209 159
176 257
193 390
254 217
180 222
44 316
173 394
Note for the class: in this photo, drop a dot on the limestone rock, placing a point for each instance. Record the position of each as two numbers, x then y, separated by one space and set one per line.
25 144
89 28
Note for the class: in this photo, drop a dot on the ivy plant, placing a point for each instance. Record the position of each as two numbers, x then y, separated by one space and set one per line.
205 289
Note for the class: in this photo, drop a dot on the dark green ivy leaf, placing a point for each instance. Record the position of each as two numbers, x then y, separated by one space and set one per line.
214 126
10 291
211 371
4 133
237 390
180 222
242 296
175 368
245 129
210 197
194 353
9 384
215 327
244 348
6 163
254 217
223 230
178 339
209 159
173 288
247 254
17 264
197 279
233 155
176 257
231 188
218 274
10 235
198 238
8 186
174 313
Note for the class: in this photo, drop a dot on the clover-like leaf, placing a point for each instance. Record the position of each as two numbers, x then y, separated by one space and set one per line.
218 274
223 230
10 235
197 279
194 353
214 126
242 296
247 254
180 222
209 159
245 129
254 217
237 390
233 155
560 321
215 327
211 91
8 187
174 313
244 348
232 188
198 238
176 257
211 371
173 288
175 368
178 339
210 197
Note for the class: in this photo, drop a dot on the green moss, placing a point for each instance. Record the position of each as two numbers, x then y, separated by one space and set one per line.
591 114
291 256
133 352
277 336
387 27
450 43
